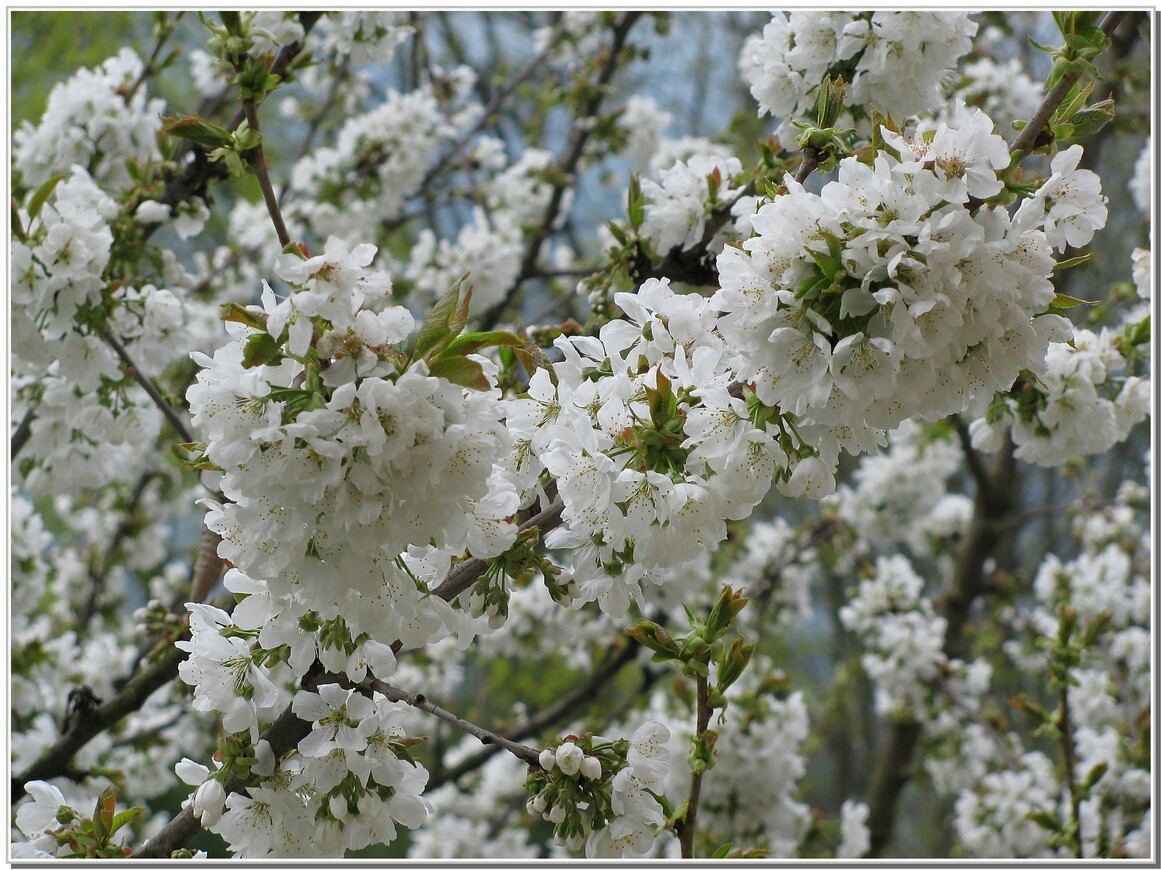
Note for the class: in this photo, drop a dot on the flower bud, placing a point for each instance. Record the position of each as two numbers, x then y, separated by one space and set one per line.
209 802
557 814
569 757
538 804
591 767
547 759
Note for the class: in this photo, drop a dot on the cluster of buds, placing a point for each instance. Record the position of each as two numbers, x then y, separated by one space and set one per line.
574 782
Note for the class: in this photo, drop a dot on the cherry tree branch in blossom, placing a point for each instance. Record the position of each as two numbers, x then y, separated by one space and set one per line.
1026 141
563 708
460 578
55 761
993 506
566 165
285 733
419 701
193 179
159 400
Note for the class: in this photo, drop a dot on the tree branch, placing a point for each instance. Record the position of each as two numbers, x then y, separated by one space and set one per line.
55 761
993 504
166 409
566 167
1026 141
566 706
689 822
462 576
23 432
420 702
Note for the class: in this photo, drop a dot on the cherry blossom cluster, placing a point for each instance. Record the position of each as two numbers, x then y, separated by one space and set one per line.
1105 588
1094 377
903 638
893 61
377 162
650 451
350 784
901 494
886 296
677 204
89 122
336 461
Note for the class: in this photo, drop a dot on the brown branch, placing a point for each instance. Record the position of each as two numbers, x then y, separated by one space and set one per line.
1026 141
286 732
194 178
689 822
993 505
462 576
257 159
159 400
23 433
565 707
420 702
566 166
55 761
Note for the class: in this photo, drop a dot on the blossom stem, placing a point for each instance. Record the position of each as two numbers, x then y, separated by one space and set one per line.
689 823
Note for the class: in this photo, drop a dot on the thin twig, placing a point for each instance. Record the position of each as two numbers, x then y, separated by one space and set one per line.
146 384
564 707
689 823
149 69
1026 141
420 702
257 158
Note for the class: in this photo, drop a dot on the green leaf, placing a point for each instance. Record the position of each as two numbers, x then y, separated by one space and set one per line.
722 851
472 342
1046 820
636 202
260 349
437 330
1093 118
618 233
1063 301
42 194
460 370
197 130
124 818
1072 102
1068 301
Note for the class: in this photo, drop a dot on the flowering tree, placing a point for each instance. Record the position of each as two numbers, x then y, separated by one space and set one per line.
417 450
